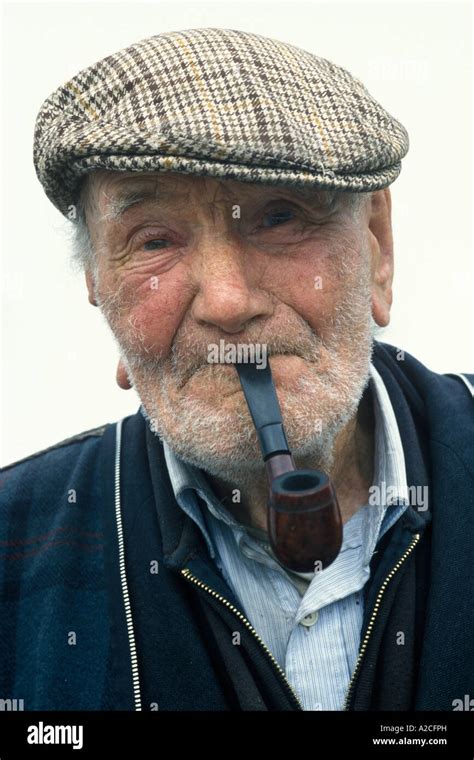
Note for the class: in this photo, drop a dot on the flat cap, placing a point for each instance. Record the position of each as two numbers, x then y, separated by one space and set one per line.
217 102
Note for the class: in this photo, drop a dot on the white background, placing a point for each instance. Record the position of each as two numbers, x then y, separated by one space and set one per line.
58 358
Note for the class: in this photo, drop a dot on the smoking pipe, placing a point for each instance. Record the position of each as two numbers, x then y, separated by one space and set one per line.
303 515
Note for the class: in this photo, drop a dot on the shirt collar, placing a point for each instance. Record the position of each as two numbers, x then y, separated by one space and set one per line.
390 488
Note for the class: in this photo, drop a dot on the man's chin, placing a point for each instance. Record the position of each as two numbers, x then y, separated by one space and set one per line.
222 440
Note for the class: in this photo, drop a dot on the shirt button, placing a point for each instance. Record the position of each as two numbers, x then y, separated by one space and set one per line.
310 619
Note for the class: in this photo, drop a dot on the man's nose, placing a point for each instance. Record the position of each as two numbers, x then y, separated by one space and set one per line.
229 294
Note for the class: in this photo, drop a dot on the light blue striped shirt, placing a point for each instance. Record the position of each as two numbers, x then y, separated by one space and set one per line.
311 622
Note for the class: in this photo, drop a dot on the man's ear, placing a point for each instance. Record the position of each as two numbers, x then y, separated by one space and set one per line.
122 377
91 287
381 244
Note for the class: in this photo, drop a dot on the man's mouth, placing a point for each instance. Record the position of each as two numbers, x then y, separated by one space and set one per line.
285 367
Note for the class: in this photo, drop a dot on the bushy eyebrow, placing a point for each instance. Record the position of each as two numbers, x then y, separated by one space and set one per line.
167 197
125 199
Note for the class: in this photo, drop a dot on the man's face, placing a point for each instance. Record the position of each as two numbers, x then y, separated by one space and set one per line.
192 261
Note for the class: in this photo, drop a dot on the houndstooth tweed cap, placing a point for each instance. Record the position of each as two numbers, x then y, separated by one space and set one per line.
217 102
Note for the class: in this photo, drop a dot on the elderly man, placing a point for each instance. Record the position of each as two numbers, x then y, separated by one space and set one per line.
232 189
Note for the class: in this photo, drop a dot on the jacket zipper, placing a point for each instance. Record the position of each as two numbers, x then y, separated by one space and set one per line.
123 574
373 617
189 576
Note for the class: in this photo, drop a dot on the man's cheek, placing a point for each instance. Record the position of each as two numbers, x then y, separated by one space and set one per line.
314 297
152 323
145 311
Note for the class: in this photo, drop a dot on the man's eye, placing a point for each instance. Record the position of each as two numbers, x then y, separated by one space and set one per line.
155 244
276 218
146 240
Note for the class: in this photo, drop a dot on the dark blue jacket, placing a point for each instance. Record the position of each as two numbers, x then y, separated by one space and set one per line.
110 604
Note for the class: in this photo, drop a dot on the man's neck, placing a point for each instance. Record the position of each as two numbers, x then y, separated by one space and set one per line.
352 474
